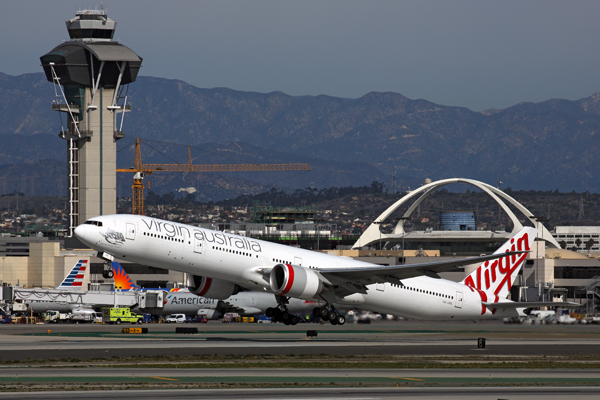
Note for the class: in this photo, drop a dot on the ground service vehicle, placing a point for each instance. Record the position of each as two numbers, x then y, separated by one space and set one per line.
83 315
177 318
98 317
57 317
116 315
202 319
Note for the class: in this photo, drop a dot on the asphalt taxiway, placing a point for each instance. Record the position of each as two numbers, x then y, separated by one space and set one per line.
48 358
355 393
35 342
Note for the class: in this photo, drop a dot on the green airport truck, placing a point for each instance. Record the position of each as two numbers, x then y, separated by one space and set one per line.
116 315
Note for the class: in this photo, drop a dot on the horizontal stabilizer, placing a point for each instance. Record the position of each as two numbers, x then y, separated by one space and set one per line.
531 304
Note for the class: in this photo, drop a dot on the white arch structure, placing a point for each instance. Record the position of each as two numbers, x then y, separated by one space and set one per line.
373 233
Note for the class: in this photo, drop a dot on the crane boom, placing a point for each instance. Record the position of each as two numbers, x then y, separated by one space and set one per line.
140 170
224 167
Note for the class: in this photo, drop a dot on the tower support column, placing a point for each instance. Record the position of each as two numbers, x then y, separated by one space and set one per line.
90 72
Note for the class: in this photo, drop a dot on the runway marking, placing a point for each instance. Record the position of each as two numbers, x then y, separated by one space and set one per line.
166 379
407 379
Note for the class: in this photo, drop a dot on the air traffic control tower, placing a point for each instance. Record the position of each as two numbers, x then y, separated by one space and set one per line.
91 73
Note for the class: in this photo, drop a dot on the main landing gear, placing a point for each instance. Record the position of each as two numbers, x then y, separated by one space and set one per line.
329 314
281 315
281 312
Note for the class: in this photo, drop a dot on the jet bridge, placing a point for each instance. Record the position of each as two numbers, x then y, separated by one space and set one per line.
52 298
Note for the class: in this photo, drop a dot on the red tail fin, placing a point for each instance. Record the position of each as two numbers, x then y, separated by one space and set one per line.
495 278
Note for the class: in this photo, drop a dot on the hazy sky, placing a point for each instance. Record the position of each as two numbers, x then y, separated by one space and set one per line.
477 54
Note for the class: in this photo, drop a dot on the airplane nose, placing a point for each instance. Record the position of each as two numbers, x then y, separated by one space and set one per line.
80 232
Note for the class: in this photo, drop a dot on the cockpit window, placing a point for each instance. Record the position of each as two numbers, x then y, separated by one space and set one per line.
97 223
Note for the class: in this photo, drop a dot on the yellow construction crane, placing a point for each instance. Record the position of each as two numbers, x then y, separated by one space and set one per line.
141 170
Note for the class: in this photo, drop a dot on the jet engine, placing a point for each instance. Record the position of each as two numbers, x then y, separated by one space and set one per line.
295 281
211 288
210 313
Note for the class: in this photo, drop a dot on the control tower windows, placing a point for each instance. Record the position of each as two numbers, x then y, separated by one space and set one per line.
91 33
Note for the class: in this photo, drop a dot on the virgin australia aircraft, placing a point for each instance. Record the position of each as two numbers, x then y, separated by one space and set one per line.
218 264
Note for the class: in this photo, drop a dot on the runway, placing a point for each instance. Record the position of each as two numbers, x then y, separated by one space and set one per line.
381 360
405 338
355 393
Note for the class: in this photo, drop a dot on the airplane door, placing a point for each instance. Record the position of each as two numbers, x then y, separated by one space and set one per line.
297 261
459 300
130 231
198 245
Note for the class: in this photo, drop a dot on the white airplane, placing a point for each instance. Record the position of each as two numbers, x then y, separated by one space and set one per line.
245 303
182 301
73 283
218 263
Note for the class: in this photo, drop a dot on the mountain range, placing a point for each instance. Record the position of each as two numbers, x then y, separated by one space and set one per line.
347 142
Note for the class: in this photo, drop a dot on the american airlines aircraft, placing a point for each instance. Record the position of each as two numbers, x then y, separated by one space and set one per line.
71 284
182 301
219 263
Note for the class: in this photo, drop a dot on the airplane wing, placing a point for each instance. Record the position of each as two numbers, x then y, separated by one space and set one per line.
353 280
530 304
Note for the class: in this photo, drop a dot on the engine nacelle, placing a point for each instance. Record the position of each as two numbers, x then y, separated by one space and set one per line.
295 281
210 313
211 288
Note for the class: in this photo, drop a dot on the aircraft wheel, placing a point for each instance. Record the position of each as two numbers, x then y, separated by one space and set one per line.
269 312
317 312
277 315
294 320
286 315
324 314
118 322
332 315
340 320
333 321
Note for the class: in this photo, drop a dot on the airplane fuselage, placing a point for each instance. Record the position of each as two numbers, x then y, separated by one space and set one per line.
242 260
244 303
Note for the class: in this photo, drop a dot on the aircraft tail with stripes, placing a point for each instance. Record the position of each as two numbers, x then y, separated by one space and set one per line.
74 280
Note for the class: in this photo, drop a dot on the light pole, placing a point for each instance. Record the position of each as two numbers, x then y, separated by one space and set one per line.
318 237
403 219
539 219
378 223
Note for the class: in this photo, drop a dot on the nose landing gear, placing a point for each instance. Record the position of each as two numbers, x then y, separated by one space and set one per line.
108 271
108 259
